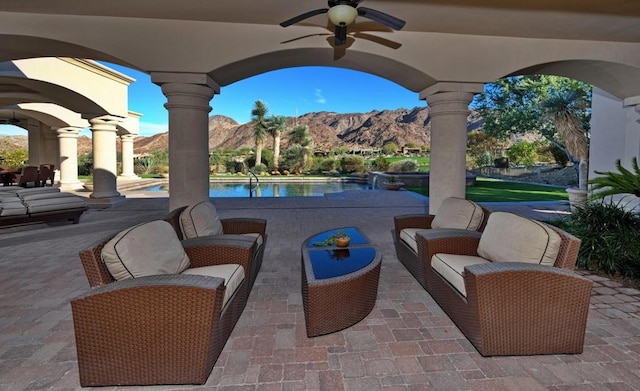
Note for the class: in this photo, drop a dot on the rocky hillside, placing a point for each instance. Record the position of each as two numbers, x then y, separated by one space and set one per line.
328 130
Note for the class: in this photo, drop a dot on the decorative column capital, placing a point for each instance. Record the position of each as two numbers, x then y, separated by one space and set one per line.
68 132
187 96
127 137
105 122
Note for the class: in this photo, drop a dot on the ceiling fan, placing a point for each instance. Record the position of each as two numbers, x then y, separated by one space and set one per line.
344 12
11 121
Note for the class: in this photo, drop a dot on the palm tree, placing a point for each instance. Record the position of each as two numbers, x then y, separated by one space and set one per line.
277 125
259 119
563 109
299 135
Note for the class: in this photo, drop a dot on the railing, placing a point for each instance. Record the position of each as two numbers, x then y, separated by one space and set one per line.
251 187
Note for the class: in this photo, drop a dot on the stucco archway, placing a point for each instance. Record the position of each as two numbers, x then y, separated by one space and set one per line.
444 53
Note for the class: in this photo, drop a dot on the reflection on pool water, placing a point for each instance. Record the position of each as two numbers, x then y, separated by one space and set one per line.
305 189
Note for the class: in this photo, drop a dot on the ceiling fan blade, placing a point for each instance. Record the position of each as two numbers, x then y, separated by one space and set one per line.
353 3
381 17
304 16
341 35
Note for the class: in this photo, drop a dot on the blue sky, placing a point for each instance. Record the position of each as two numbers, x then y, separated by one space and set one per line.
289 92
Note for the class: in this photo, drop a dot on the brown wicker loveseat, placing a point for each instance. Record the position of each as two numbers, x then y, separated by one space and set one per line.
201 220
455 216
510 290
160 329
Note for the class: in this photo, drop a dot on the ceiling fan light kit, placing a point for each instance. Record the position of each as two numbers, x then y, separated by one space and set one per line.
343 13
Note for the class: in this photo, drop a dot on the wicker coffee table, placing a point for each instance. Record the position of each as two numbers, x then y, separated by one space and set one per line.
339 285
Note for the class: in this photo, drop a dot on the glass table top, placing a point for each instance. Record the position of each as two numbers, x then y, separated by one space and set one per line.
356 237
335 262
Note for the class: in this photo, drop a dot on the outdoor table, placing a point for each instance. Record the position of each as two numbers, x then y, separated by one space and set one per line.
339 285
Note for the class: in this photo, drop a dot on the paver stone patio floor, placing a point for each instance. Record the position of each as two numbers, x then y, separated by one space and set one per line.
406 343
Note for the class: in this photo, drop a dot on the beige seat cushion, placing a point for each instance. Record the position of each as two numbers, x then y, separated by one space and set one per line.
458 213
200 219
12 208
257 236
61 202
233 275
451 268
143 250
512 238
408 235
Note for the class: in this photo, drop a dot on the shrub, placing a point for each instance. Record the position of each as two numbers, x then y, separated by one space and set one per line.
15 157
390 148
381 164
610 238
523 154
328 164
233 166
260 168
85 164
406 165
350 164
622 182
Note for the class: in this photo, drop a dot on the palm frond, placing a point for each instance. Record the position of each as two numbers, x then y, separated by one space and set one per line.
622 182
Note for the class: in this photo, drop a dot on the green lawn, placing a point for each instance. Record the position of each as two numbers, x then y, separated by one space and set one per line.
424 162
493 190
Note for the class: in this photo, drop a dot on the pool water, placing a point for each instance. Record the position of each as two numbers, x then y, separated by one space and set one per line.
305 189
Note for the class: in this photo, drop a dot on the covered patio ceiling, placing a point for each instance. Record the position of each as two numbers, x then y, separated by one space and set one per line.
443 41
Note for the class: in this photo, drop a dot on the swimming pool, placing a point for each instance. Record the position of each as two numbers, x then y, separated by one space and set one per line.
290 189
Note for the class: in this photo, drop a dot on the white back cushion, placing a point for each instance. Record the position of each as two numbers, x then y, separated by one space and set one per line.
200 219
458 213
512 238
144 250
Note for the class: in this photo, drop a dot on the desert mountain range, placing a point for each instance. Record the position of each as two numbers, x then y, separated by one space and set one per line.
328 130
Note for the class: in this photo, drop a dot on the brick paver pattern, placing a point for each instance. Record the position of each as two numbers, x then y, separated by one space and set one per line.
406 343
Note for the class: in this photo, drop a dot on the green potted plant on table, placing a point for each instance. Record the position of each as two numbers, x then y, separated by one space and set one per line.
339 239
392 183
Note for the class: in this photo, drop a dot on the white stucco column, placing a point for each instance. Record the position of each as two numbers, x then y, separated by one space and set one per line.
103 131
126 142
188 97
35 141
615 134
449 108
68 163
49 154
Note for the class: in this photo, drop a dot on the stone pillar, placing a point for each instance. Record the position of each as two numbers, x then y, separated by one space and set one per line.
49 154
36 142
188 97
103 131
68 163
126 141
449 109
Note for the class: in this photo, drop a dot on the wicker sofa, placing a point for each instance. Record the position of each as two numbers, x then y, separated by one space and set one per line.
40 204
201 220
158 327
511 289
